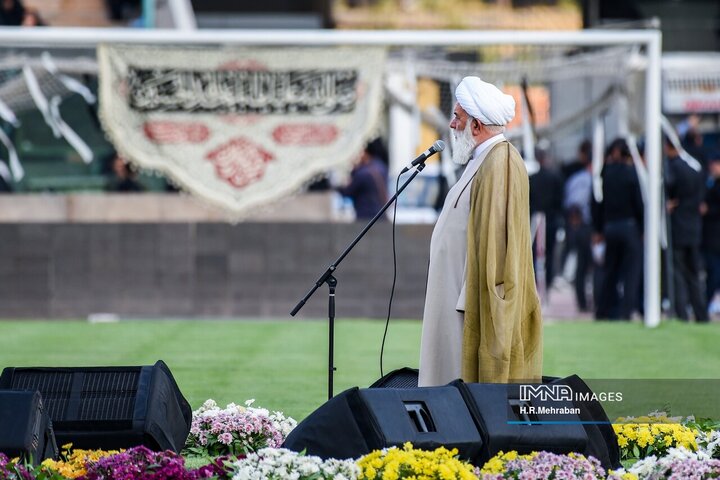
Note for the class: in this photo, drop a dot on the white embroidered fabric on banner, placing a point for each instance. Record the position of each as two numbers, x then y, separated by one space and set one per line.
240 127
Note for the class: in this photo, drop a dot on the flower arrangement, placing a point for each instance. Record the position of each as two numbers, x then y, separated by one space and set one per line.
235 430
394 463
140 463
73 463
543 465
652 434
281 464
677 464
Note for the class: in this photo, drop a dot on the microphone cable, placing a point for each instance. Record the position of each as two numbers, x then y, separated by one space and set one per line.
392 289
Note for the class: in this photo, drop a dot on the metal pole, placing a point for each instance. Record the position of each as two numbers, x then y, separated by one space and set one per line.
41 37
654 163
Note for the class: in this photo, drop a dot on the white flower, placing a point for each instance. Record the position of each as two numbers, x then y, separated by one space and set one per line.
644 467
208 405
709 443
283 464
680 453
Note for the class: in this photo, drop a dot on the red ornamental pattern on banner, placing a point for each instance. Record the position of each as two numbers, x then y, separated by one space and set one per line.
240 162
167 132
240 127
305 134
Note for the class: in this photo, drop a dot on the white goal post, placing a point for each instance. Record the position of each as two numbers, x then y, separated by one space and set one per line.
650 40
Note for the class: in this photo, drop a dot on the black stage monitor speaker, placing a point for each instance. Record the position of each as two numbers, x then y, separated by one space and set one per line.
358 421
109 407
25 427
602 441
498 413
405 377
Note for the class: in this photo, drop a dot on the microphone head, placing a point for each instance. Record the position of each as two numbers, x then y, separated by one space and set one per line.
439 146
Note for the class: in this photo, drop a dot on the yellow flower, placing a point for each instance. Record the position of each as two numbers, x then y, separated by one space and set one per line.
511 455
370 472
644 438
625 476
493 466
409 463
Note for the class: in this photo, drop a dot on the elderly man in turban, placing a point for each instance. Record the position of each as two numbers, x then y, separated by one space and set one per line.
482 319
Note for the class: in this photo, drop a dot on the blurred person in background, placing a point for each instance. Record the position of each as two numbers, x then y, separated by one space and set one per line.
546 196
618 221
577 164
685 193
12 13
577 196
692 140
121 10
710 210
368 181
32 18
125 179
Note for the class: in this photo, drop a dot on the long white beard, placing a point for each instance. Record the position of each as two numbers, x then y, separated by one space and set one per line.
463 145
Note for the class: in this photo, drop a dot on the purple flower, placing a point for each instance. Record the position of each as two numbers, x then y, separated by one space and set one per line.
546 465
140 463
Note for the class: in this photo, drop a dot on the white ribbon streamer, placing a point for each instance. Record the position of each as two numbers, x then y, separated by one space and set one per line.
598 143
69 82
39 99
640 168
4 172
669 130
68 133
15 167
531 163
8 115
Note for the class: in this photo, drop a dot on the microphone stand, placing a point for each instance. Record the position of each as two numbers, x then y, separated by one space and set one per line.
331 281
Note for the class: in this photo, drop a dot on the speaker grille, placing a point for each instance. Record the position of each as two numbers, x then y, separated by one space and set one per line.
108 395
401 378
54 387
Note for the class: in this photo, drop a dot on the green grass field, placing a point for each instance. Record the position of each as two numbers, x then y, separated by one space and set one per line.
283 364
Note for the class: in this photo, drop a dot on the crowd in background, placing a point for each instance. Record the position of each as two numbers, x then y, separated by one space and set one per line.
603 229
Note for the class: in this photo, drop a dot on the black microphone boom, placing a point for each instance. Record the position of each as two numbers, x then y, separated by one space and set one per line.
438 146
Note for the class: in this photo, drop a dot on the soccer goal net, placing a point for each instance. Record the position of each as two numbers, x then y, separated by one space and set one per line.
235 105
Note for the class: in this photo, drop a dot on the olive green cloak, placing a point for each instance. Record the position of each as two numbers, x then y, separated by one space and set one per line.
502 332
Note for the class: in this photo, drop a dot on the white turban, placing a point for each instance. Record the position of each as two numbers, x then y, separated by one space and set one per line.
485 101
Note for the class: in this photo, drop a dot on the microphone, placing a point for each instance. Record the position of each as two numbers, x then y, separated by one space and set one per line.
438 146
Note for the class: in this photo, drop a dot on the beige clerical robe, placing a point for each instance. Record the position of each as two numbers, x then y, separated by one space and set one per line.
502 336
442 330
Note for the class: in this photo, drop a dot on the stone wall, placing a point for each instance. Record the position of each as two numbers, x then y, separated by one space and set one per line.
167 270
